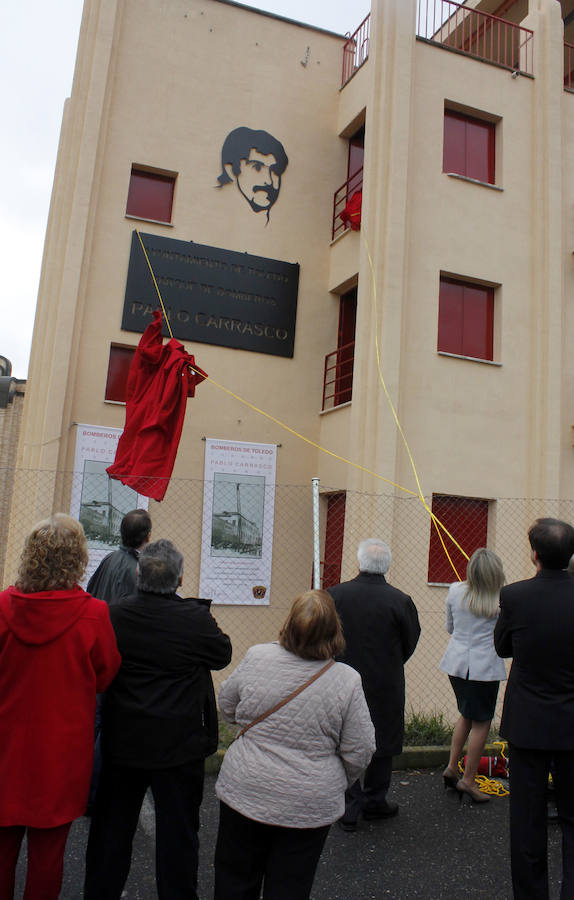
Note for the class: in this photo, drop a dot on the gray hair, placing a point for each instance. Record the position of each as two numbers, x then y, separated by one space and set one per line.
159 568
374 556
484 578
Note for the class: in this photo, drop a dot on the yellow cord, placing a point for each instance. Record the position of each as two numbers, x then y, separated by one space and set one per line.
490 786
165 316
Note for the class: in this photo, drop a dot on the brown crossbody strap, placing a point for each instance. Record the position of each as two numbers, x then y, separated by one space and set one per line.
286 700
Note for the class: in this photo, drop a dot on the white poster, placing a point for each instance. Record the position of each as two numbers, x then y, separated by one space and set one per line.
100 502
237 534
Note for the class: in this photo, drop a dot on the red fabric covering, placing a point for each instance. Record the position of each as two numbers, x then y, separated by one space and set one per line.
57 649
351 215
159 383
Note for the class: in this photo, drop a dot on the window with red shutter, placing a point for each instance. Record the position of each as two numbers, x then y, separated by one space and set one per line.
468 147
467 521
118 370
334 535
150 195
465 319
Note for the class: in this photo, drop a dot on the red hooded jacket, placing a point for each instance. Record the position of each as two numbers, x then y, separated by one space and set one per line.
57 650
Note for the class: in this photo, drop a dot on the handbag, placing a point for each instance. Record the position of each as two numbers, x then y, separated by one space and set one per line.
286 700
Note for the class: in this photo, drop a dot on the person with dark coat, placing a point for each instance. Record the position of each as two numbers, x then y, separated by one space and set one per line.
381 629
115 576
536 628
57 648
159 724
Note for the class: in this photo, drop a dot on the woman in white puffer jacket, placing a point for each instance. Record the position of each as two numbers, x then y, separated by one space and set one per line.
282 783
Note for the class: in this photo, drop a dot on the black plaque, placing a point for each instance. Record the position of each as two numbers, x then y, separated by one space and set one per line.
213 296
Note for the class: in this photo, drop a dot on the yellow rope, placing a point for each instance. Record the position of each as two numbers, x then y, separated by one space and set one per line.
165 315
490 786
437 524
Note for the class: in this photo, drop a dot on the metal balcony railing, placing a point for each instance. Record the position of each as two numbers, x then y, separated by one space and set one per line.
340 199
356 50
475 33
568 66
338 379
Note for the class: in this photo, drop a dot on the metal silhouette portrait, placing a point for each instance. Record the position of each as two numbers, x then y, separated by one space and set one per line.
255 160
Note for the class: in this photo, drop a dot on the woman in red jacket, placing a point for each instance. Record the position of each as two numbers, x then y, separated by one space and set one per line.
57 650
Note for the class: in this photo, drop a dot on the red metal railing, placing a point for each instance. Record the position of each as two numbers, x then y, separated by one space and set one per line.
356 50
479 34
568 66
340 199
338 379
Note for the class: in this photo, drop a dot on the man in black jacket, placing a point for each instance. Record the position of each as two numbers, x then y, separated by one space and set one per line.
381 628
536 628
115 576
159 724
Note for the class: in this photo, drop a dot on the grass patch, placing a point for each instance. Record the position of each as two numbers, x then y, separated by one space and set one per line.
426 729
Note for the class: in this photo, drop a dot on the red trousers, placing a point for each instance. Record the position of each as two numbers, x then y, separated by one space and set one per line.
45 860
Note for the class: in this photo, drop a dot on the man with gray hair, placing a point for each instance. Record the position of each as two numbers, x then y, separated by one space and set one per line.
159 724
381 628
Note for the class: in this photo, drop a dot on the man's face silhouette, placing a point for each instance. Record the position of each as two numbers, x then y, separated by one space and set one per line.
257 180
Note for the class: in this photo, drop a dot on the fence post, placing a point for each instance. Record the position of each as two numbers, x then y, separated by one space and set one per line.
316 536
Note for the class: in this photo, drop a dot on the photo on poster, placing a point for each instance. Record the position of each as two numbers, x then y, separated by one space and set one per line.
237 522
103 504
237 519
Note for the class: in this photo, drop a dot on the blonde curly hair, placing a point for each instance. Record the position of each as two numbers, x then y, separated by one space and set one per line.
54 557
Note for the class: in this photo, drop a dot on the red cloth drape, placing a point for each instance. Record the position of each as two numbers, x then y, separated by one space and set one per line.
159 383
351 214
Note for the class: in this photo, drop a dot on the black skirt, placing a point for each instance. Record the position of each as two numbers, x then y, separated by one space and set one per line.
476 700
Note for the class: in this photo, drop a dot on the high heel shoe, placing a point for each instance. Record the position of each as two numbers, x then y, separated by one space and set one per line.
450 778
471 791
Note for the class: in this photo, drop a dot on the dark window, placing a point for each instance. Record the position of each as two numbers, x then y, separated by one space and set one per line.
346 347
468 147
118 369
465 319
334 535
467 520
150 195
356 152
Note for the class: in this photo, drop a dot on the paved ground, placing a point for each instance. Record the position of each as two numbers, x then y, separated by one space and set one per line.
435 849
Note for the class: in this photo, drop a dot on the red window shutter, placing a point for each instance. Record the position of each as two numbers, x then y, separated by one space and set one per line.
469 147
150 196
345 348
334 536
478 318
465 319
467 520
450 316
118 370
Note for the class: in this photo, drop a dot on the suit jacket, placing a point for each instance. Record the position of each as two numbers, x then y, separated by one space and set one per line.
160 711
115 576
381 628
536 628
470 650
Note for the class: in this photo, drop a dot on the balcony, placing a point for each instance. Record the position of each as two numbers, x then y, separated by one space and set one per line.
341 198
568 67
487 38
338 379
356 50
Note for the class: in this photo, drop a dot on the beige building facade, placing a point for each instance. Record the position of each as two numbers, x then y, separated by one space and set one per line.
446 317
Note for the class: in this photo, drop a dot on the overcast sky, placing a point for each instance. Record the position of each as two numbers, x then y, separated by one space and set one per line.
37 52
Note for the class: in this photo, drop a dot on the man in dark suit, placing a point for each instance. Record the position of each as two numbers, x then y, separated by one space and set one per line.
381 628
536 628
159 724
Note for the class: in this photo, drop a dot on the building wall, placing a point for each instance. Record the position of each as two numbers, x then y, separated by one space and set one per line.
161 86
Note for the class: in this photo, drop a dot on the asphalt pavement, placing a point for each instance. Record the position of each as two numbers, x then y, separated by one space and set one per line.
436 848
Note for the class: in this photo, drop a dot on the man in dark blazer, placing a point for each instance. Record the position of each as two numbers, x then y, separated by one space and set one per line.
381 628
536 628
159 724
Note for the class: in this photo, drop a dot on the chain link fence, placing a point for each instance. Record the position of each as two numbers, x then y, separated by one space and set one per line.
233 545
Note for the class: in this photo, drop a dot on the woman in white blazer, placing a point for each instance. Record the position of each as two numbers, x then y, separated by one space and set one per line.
472 664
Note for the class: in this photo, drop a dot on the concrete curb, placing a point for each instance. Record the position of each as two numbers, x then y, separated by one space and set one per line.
410 758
